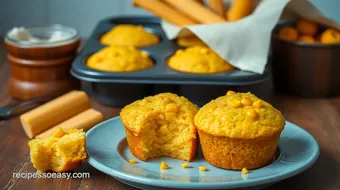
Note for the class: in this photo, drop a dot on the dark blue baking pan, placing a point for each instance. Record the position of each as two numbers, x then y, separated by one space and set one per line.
121 88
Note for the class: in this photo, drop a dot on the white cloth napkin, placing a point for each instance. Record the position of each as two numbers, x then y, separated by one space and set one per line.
245 43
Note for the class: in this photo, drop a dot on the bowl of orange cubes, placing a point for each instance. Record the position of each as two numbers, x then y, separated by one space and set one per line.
306 59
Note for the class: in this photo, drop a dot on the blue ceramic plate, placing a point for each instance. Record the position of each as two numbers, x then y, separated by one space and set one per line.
108 152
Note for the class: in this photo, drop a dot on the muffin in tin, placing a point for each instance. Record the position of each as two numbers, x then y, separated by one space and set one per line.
188 41
198 59
161 125
117 58
238 131
129 35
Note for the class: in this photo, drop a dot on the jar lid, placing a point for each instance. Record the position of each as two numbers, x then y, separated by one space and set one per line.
45 36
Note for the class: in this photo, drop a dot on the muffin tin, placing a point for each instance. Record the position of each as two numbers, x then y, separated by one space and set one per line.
120 88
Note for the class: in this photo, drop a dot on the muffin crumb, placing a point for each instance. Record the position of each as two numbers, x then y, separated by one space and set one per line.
245 171
163 166
185 165
133 161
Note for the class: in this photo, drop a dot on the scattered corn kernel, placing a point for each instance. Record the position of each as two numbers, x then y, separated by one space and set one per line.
185 165
163 166
258 104
132 161
246 101
245 171
202 168
252 113
236 104
179 52
144 54
204 50
230 92
307 27
288 33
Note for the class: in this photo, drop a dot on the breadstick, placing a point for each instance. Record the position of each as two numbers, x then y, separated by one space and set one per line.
84 120
165 12
197 11
240 9
217 6
54 112
200 1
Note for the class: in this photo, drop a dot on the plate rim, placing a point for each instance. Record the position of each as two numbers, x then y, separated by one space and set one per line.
206 185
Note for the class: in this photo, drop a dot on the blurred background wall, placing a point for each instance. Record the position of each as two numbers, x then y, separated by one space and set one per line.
84 14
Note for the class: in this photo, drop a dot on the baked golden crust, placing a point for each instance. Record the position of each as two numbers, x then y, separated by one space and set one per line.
129 35
198 59
230 153
188 41
119 59
161 125
231 116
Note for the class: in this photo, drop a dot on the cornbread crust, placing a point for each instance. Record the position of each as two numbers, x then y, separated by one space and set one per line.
161 125
198 59
187 41
119 59
231 137
129 35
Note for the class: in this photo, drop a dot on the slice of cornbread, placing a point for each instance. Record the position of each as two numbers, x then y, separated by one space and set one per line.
62 151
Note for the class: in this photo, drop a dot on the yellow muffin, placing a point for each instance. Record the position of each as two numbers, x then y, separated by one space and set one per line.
239 131
129 35
119 59
187 41
161 125
198 59
60 152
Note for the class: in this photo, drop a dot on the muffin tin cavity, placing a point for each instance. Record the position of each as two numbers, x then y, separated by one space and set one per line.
160 73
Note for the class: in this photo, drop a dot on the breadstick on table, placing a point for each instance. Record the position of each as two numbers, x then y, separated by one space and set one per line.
54 112
240 9
84 120
217 6
165 12
196 10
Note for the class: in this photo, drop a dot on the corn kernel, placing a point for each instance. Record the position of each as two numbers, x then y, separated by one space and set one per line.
144 54
172 107
185 165
204 50
230 92
236 104
252 113
202 168
133 161
163 166
245 171
163 129
246 101
58 133
179 52
258 104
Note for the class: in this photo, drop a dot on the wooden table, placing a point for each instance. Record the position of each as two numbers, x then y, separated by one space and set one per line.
320 117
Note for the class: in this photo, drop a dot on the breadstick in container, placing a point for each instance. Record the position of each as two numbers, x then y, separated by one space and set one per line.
164 11
197 11
240 9
217 6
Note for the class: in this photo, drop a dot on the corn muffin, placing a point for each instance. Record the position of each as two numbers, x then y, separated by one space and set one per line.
238 131
119 59
198 59
161 125
129 35
60 152
187 41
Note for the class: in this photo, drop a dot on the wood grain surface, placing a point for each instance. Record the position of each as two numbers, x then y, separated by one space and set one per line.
320 117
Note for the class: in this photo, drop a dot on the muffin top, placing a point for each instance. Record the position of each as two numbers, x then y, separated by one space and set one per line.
129 35
159 108
119 59
187 41
198 59
239 115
